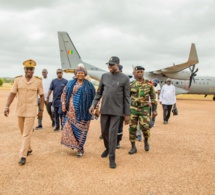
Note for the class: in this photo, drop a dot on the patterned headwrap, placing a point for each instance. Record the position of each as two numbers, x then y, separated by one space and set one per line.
81 69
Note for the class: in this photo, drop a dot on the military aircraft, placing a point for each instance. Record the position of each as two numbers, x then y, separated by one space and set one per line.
186 81
203 85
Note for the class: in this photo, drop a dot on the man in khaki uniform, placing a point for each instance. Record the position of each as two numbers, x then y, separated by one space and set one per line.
27 88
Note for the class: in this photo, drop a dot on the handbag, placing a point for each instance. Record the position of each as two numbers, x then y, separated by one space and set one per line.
175 110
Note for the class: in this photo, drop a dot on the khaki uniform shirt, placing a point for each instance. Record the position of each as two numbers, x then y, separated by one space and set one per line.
27 95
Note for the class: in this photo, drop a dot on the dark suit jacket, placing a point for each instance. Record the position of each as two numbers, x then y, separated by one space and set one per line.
114 89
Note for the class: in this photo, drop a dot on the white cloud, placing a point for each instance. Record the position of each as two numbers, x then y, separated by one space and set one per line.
152 33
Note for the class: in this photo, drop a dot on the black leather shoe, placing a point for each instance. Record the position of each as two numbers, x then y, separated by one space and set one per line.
29 152
146 144
56 129
112 164
39 127
105 154
22 161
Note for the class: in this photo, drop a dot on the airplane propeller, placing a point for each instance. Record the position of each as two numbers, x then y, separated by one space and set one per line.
193 74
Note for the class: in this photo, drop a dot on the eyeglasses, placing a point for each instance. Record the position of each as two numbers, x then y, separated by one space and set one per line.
59 72
29 68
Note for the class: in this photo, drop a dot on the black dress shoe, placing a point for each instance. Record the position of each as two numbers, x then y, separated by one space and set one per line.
112 164
56 129
22 161
29 152
39 127
105 153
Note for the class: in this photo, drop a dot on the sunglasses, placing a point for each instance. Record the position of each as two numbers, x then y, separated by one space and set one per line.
29 69
59 72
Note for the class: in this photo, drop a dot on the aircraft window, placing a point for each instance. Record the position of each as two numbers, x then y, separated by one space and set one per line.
177 83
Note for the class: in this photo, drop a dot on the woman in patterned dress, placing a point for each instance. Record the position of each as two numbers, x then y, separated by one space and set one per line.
76 100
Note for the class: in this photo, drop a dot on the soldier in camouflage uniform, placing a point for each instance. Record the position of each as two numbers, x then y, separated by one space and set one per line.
141 90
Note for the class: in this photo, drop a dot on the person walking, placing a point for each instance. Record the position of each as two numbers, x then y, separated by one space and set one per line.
141 91
46 84
114 89
167 99
76 101
27 88
57 86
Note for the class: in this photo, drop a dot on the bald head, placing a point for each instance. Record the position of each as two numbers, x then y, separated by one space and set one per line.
44 73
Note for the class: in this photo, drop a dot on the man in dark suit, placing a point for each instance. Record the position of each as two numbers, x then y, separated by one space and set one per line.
114 89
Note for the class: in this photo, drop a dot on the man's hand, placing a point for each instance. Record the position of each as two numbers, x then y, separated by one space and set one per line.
97 113
47 99
91 110
126 118
154 114
40 115
6 111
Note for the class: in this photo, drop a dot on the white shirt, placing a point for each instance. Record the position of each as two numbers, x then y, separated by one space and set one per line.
167 95
157 88
46 84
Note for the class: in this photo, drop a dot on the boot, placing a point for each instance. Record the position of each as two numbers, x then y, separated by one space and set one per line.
112 162
146 144
105 153
133 148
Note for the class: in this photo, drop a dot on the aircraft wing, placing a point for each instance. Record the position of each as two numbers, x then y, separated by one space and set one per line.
170 71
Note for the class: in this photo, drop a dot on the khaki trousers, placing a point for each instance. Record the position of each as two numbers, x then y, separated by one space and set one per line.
26 125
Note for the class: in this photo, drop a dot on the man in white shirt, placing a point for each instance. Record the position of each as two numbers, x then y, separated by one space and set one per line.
167 99
46 84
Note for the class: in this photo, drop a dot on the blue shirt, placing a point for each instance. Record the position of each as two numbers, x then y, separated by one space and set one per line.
57 87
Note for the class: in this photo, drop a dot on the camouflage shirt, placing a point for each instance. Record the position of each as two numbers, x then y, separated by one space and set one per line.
141 93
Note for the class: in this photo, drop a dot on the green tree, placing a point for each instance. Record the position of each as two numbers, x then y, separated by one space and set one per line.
1 82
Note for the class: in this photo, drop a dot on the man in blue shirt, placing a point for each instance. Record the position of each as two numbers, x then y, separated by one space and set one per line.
57 86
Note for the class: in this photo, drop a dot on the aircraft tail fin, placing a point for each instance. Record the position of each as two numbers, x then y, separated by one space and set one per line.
69 55
193 57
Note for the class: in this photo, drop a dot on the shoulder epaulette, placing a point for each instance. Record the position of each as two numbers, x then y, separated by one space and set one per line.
18 76
38 77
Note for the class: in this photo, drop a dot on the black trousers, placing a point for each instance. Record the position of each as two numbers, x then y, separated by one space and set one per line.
110 126
57 111
120 130
166 111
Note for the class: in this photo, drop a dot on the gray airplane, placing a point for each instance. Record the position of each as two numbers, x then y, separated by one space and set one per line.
185 81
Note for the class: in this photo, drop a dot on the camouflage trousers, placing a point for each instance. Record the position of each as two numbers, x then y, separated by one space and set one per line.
140 115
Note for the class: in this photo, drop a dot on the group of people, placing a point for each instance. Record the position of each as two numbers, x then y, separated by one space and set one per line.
76 102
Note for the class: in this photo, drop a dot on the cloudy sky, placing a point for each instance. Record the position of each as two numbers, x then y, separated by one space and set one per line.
151 33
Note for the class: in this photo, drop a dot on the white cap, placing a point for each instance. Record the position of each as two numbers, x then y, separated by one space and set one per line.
81 65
